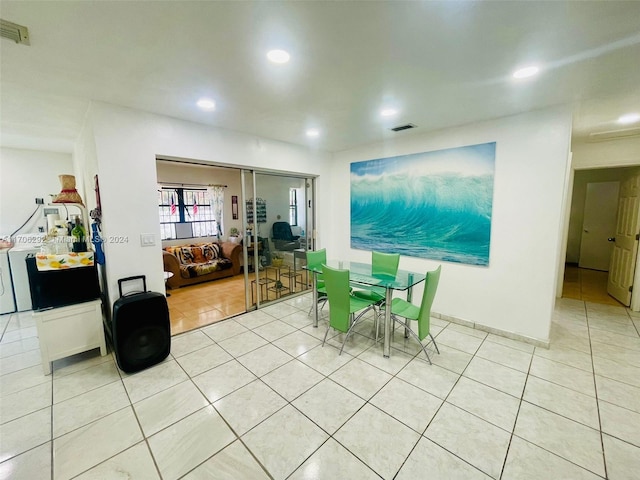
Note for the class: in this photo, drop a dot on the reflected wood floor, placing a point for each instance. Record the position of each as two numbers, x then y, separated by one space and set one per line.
202 304
587 285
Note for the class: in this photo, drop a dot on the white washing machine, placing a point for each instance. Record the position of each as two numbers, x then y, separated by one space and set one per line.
25 245
7 303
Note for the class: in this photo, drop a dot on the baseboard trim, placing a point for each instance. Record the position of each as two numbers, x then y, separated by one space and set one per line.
496 331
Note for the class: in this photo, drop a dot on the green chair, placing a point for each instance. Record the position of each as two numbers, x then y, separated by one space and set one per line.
342 305
404 309
381 264
316 259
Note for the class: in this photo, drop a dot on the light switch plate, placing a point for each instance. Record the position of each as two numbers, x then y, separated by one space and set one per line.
147 239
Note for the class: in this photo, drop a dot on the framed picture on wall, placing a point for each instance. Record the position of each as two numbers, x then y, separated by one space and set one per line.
234 207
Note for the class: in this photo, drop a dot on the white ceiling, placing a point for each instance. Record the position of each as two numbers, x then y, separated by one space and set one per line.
440 63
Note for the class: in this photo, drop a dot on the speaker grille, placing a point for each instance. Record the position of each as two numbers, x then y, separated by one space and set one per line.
145 345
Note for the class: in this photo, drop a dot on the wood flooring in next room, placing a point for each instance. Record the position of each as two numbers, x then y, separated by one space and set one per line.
205 303
587 285
202 304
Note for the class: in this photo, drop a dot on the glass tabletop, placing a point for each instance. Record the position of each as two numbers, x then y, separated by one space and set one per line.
362 273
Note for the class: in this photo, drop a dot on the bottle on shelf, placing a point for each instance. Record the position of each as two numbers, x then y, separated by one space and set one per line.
79 236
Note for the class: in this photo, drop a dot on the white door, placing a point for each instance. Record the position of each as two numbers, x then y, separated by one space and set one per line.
599 225
625 249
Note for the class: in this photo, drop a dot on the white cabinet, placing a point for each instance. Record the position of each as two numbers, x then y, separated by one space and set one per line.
65 331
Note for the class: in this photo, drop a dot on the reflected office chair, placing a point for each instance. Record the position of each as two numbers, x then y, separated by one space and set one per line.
316 259
342 305
283 238
381 264
422 314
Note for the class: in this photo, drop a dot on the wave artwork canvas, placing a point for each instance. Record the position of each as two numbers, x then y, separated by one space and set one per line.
434 205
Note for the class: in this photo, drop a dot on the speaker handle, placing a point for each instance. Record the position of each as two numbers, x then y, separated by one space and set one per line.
135 277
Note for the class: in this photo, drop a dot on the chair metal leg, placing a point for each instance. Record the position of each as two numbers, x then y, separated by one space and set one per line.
322 300
396 319
325 335
376 321
434 343
381 308
353 324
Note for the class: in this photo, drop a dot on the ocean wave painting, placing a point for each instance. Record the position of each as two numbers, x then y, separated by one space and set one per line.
433 205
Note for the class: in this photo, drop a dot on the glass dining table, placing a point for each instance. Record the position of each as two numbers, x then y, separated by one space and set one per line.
362 274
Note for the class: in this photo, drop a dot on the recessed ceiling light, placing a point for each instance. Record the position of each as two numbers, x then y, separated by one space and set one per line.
388 112
313 132
526 72
206 104
278 56
629 118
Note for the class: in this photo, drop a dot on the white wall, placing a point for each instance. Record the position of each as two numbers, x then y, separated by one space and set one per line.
516 292
85 165
127 143
274 189
623 152
24 176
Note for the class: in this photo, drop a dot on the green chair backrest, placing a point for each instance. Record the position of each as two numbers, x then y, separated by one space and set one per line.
316 259
384 263
431 285
337 284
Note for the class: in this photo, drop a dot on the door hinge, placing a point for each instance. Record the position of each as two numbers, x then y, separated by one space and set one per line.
637 236
631 289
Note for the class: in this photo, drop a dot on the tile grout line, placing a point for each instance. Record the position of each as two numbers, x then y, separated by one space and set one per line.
211 404
299 329
595 387
327 377
445 401
288 403
515 421
560 415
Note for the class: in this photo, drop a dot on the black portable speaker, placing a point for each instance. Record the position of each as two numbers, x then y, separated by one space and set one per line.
139 331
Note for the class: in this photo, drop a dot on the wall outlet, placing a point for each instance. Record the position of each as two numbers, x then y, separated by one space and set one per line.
39 201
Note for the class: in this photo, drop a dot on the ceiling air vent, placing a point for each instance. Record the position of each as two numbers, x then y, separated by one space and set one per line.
614 134
403 127
12 31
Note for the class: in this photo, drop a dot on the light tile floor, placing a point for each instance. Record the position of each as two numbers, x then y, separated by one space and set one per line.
258 397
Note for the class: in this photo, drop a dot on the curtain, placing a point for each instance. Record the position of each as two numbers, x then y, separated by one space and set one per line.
216 197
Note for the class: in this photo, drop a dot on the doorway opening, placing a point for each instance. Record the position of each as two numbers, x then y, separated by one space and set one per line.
242 212
594 228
